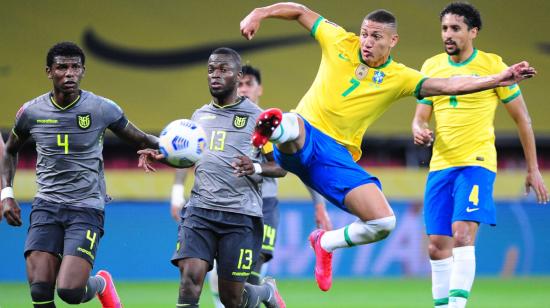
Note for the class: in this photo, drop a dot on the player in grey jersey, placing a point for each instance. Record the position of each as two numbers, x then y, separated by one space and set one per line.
223 218
67 217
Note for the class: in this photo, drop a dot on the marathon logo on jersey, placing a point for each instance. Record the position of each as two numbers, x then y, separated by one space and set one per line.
239 121
84 120
378 77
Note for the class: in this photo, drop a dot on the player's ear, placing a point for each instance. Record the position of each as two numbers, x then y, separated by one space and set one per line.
394 40
49 72
83 71
260 90
473 32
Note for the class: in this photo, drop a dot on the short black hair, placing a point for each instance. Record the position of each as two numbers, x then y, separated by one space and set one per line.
382 16
230 52
471 15
250 70
65 49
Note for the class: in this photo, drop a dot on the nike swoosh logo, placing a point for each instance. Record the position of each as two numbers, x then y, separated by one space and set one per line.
179 57
469 210
341 56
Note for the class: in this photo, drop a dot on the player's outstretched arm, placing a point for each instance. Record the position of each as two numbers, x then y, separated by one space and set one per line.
470 84
244 166
422 134
517 109
8 164
137 137
282 10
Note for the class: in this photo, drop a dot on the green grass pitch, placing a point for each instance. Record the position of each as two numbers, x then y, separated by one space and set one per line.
488 292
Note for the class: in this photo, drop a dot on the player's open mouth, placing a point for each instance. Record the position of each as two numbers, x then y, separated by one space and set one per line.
69 84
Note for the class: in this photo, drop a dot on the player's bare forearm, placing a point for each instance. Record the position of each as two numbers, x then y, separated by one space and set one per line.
282 10
272 170
137 137
422 134
8 163
469 84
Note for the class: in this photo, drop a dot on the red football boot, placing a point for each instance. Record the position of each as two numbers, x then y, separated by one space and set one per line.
108 298
266 124
323 261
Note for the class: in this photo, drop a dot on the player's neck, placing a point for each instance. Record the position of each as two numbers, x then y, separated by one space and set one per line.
228 101
463 55
63 99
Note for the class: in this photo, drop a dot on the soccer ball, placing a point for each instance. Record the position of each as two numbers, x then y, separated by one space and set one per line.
182 143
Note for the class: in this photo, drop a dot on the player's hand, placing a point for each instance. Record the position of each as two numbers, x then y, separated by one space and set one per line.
12 212
175 210
423 137
534 180
146 158
322 220
516 73
243 166
250 24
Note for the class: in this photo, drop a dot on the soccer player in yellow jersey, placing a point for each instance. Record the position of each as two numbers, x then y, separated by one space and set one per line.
459 188
320 142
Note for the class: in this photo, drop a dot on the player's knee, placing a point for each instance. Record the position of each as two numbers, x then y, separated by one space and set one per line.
437 252
462 238
42 291
71 296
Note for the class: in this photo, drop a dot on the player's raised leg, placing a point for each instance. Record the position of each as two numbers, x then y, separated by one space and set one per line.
284 129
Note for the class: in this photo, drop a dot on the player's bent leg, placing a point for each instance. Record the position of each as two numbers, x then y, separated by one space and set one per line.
231 293
193 272
441 260
72 279
286 130
464 262
42 268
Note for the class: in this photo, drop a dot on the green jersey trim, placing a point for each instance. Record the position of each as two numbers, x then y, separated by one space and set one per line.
315 26
66 107
425 102
470 59
511 97
419 87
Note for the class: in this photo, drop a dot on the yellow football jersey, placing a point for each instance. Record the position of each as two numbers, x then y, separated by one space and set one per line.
464 130
347 96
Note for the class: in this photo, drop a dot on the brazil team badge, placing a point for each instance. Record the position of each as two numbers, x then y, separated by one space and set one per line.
239 121
84 120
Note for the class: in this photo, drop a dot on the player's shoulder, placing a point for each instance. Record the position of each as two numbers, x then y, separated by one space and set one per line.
92 97
33 104
436 60
488 56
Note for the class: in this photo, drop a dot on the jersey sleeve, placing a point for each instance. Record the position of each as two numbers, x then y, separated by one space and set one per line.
113 115
425 100
327 32
505 94
21 127
412 82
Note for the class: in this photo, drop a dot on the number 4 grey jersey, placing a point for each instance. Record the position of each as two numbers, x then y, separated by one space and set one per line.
228 134
69 144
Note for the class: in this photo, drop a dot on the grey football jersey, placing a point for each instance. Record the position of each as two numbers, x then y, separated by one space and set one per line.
228 134
69 144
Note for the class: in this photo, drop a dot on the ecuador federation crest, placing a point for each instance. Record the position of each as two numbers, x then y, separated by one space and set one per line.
239 121
84 120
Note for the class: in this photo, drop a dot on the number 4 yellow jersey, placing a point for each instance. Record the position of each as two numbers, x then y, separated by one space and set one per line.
464 131
347 96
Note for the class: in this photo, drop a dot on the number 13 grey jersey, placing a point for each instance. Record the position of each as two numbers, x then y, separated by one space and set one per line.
228 134
69 145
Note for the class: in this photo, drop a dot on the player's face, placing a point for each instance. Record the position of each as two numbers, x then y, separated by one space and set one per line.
223 75
455 34
66 73
249 87
377 40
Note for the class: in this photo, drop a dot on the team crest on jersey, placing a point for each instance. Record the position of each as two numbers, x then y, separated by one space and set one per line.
361 71
378 77
239 121
84 120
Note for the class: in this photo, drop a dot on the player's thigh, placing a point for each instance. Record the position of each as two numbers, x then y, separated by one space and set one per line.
73 273
439 202
46 232
84 229
368 202
42 266
270 211
239 249
473 196
196 241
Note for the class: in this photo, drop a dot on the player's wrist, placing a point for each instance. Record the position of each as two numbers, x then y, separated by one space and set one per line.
7 192
257 168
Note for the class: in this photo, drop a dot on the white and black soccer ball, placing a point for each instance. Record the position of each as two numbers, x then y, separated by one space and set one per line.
182 143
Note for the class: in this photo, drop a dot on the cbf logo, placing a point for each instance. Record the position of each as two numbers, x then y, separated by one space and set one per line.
239 121
84 120
378 77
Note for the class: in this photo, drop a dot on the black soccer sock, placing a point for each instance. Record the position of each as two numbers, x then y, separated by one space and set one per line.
187 302
254 277
254 295
95 285
42 294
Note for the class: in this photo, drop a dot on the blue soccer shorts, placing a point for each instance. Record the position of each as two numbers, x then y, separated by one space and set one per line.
326 166
458 194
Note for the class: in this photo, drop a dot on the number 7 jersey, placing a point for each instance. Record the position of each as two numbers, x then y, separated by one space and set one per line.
69 146
464 129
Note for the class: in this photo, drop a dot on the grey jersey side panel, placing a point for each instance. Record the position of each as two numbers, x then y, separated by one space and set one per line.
228 134
69 144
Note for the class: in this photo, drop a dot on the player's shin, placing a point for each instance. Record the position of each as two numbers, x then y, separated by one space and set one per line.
358 233
288 130
441 273
42 294
462 276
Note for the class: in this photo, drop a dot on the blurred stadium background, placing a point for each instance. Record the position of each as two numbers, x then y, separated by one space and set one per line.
150 58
